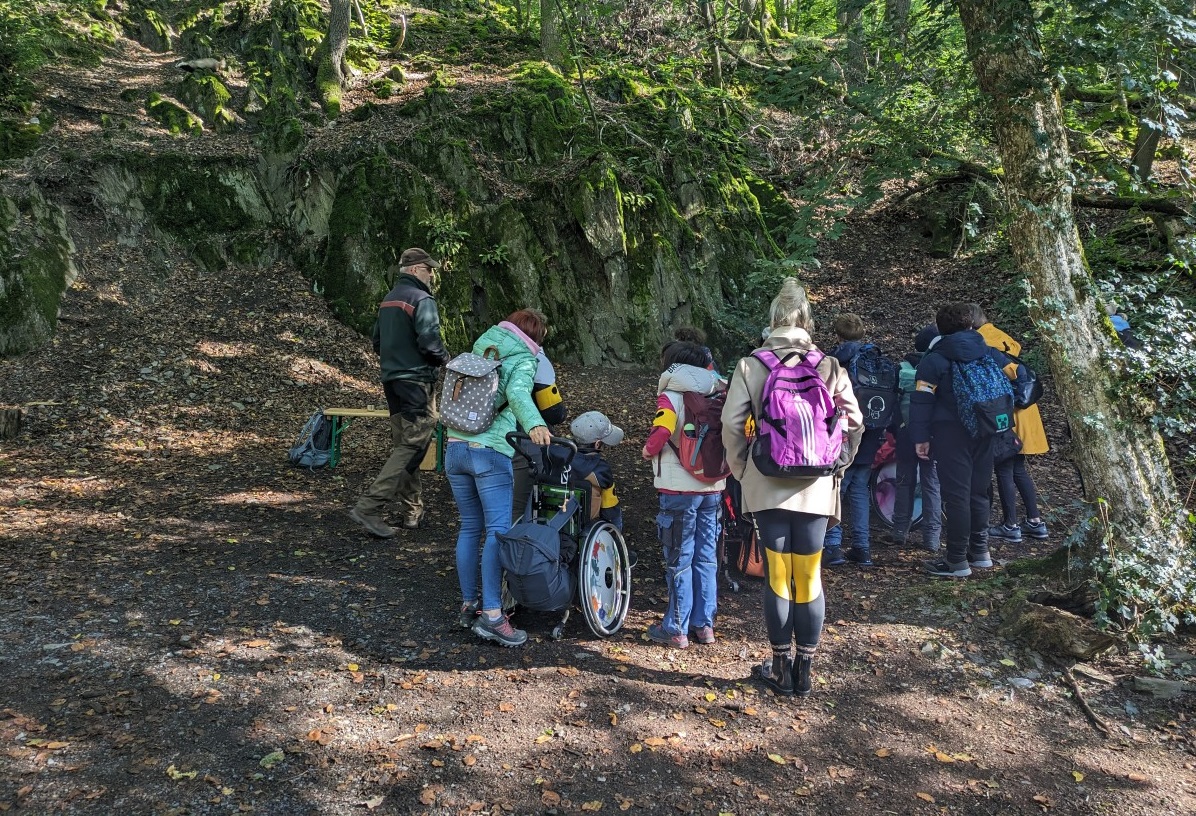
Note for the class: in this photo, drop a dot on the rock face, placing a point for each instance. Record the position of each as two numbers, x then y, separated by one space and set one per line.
497 186
35 269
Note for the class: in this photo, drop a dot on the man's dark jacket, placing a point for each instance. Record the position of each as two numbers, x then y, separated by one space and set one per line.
407 333
933 400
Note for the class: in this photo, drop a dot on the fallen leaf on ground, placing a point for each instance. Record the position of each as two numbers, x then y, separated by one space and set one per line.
883 752
925 797
373 803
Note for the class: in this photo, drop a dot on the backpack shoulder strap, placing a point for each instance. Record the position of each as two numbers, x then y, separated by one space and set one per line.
559 521
768 357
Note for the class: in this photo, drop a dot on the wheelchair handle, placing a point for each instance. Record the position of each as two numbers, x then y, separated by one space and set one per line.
515 437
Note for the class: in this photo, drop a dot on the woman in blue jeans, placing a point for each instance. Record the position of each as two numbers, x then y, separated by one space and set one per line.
481 476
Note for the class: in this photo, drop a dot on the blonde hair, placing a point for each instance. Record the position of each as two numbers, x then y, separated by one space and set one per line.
790 307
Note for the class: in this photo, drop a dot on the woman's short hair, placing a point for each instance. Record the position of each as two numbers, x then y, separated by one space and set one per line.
954 317
685 353
531 322
849 327
791 307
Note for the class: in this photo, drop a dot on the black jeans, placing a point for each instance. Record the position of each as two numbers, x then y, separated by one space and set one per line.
965 467
1012 476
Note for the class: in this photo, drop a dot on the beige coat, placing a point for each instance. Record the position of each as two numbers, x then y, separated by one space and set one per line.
818 496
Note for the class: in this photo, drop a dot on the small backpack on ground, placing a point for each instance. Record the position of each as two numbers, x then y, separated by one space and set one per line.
799 433
701 438
874 380
538 560
1027 388
983 397
738 541
313 448
469 398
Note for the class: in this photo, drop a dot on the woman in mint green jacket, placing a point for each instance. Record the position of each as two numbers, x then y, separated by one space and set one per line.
480 474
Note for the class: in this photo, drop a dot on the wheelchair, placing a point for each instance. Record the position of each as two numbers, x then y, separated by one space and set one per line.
882 487
602 566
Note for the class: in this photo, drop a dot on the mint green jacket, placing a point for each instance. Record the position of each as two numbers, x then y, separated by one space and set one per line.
515 381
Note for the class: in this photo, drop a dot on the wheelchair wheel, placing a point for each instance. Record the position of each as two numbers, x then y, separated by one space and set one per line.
604 579
883 489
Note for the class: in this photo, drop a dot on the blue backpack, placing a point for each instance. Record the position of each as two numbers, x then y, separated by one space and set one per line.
983 397
313 448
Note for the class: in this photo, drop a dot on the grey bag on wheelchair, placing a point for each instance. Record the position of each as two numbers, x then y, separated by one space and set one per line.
538 560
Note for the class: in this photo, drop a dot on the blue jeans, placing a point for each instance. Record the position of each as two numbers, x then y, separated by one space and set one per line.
857 508
483 485
688 530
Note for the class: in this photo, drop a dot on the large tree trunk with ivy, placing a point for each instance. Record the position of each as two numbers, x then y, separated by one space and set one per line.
552 33
1120 455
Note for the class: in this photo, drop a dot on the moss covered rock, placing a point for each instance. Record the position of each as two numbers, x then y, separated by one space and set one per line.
204 93
36 267
173 115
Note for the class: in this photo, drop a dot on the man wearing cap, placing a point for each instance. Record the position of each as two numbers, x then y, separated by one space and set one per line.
592 432
410 352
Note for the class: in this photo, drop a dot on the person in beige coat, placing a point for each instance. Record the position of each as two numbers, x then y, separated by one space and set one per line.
791 515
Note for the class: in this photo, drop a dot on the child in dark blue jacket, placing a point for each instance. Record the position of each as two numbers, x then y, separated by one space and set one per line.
964 463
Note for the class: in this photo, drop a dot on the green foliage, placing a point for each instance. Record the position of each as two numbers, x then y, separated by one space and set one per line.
446 238
1142 589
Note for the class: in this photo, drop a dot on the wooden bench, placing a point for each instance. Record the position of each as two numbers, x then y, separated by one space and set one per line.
341 417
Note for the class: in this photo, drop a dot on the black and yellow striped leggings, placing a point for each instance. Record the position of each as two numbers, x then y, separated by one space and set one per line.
794 606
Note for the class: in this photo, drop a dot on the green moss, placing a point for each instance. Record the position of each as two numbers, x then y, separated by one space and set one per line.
173 115
205 94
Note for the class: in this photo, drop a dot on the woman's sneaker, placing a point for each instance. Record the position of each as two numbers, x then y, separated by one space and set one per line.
703 635
833 557
500 631
657 634
1038 530
469 611
1006 532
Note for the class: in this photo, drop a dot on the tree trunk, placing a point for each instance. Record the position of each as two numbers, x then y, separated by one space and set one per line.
339 19
552 35
1146 142
851 31
1119 453
897 21
782 14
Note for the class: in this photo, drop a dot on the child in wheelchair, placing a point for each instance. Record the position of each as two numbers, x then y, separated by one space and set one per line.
566 550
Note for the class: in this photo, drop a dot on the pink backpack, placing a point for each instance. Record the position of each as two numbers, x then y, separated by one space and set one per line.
799 433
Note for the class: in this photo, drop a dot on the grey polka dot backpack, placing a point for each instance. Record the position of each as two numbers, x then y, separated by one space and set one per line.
469 399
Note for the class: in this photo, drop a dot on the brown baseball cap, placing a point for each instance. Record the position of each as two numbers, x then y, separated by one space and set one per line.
414 256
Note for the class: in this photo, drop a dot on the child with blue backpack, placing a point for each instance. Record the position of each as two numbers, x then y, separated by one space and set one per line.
857 505
961 400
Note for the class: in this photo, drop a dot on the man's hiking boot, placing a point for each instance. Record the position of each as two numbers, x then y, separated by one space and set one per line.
776 675
372 524
703 635
411 521
1033 530
469 612
500 631
941 569
833 557
1006 532
861 558
657 634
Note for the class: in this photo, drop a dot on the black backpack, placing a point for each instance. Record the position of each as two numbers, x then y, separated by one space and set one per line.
538 560
1027 388
874 380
